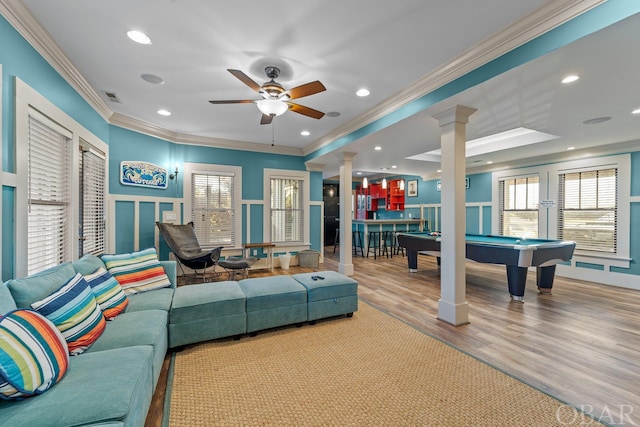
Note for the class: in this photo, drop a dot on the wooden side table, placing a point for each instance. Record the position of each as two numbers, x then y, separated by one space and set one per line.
262 262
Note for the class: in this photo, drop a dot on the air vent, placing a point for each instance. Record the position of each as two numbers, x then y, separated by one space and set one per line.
112 97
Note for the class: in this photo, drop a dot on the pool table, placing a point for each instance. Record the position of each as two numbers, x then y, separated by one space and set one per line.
518 254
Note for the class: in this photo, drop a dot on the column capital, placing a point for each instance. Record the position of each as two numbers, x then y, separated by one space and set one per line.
456 114
314 167
345 156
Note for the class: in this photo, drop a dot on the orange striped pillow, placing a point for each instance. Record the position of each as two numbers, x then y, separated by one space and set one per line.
138 271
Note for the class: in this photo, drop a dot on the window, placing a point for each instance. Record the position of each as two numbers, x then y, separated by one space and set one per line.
213 209
287 210
48 211
92 208
519 206
587 211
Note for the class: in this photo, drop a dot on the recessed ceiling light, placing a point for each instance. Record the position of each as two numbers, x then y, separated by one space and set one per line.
358 173
636 111
384 169
570 78
377 148
305 133
363 92
333 114
571 148
393 166
439 170
164 112
489 162
152 78
138 37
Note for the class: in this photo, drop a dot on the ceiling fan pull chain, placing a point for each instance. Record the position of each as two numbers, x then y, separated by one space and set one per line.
273 134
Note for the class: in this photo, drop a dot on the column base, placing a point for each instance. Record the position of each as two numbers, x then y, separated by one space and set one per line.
455 314
346 269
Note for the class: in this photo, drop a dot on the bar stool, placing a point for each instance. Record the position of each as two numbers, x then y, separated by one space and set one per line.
378 244
387 242
356 242
356 238
395 247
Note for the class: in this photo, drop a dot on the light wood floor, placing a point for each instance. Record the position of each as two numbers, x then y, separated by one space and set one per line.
581 344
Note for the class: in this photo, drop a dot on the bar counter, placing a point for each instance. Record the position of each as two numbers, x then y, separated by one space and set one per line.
399 225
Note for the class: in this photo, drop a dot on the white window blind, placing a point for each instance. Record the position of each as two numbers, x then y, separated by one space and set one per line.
588 209
519 198
287 210
212 209
92 208
48 227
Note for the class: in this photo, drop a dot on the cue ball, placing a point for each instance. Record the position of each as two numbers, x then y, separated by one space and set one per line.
517 240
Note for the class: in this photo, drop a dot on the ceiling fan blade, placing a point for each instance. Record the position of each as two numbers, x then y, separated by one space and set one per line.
245 79
306 90
266 119
305 111
235 101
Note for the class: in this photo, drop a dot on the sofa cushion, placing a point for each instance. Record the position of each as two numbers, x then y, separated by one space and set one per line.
30 289
270 292
108 293
74 311
7 303
87 264
33 354
137 271
158 299
147 327
111 387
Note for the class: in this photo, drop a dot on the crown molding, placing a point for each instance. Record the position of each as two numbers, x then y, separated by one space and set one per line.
20 17
549 16
181 138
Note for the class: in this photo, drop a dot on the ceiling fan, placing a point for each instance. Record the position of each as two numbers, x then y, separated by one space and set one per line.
276 98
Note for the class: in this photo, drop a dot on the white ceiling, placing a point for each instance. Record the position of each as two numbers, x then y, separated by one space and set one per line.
381 45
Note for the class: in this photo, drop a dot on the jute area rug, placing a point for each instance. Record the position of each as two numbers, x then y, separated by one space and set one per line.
368 370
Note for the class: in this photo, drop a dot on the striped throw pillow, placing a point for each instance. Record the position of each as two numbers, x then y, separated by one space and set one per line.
74 311
138 271
33 355
108 293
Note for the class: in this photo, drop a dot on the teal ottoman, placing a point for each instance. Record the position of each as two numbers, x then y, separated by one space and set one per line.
274 301
205 312
329 294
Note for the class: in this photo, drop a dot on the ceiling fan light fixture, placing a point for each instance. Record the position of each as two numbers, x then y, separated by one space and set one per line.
272 107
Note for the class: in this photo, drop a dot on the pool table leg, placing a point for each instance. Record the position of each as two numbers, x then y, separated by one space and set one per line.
516 278
412 259
544 278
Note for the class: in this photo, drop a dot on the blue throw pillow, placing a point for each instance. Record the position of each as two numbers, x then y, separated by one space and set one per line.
74 311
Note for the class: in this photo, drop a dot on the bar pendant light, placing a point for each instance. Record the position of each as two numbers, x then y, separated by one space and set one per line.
365 183
384 183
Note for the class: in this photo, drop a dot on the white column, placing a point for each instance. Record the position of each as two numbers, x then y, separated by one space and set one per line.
452 306
346 177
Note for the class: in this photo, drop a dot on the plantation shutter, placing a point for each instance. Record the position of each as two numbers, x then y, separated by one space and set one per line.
287 210
92 209
518 204
212 209
48 226
588 209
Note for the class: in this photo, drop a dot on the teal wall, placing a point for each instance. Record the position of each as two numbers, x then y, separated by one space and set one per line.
20 60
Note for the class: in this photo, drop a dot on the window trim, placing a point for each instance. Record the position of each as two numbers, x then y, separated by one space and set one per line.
28 102
548 224
236 171
304 176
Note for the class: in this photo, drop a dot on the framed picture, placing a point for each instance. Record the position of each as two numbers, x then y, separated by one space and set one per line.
412 188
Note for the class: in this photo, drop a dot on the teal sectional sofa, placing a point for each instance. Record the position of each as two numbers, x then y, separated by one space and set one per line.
112 383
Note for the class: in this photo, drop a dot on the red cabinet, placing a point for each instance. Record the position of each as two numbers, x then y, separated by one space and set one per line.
395 198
